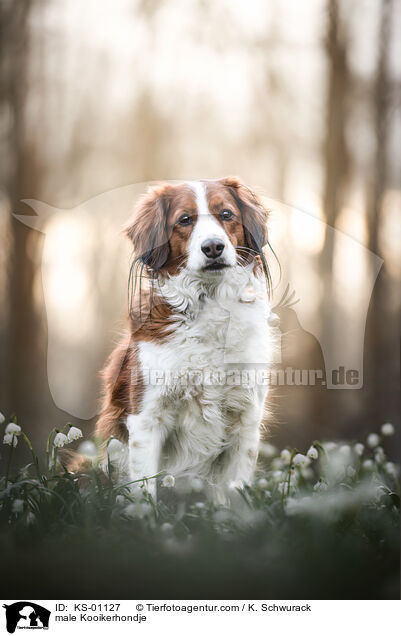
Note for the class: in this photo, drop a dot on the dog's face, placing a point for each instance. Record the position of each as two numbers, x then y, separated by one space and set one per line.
203 226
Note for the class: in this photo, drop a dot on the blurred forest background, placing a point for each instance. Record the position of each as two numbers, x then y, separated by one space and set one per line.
302 100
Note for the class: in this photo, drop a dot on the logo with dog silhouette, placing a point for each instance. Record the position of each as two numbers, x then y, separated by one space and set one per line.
26 615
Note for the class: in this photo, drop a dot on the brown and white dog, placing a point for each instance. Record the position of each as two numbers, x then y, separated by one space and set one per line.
175 392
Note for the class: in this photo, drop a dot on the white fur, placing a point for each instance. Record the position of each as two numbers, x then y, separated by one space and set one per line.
206 227
206 430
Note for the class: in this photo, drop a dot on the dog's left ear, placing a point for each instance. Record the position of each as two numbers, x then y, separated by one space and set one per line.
148 228
254 215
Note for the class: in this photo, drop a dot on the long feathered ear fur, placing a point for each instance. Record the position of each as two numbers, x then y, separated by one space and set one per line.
254 216
148 228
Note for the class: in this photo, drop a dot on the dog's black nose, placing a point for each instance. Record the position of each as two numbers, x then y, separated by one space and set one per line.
212 248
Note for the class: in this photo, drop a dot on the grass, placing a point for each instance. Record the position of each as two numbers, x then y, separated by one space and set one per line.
325 527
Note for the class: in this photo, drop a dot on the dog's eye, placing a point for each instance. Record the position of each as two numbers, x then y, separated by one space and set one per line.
185 219
226 215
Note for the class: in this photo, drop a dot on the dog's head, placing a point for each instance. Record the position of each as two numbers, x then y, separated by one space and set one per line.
203 226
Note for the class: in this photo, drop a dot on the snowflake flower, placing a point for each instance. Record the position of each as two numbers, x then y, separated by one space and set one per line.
277 464
18 506
345 449
373 440
30 519
320 486
167 528
74 433
391 469
138 510
168 481
388 429
301 460
307 473
200 505
10 439
312 453
2 418
196 484
285 456
13 429
114 448
329 446
60 440
268 450
87 448
368 464
262 483
282 487
379 455
359 448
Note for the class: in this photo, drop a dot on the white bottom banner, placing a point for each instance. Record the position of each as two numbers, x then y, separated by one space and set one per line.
182 617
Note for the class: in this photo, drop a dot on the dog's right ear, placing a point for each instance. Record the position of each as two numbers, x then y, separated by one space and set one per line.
148 228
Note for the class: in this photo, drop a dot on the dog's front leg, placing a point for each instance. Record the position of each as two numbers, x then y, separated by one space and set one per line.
145 439
243 453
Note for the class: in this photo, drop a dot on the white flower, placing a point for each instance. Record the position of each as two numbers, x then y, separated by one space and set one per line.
277 464
262 483
368 464
138 510
13 429
74 433
320 486
388 429
301 460
345 450
10 439
312 453
390 468
329 446
359 448
200 505
307 473
351 472
30 518
2 418
18 505
196 484
268 450
379 455
168 481
373 440
285 456
60 440
282 487
87 448
115 448
167 528
277 475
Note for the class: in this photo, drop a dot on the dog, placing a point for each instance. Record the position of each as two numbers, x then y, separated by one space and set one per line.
199 309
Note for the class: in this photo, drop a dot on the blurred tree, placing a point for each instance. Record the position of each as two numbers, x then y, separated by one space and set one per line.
381 338
22 349
337 165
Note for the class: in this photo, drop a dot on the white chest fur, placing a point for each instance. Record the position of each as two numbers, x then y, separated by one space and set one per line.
201 394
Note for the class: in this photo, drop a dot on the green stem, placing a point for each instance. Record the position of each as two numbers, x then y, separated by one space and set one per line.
35 459
9 461
55 460
293 453
48 450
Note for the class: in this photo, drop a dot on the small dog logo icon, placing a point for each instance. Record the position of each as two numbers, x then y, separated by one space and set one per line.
26 615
